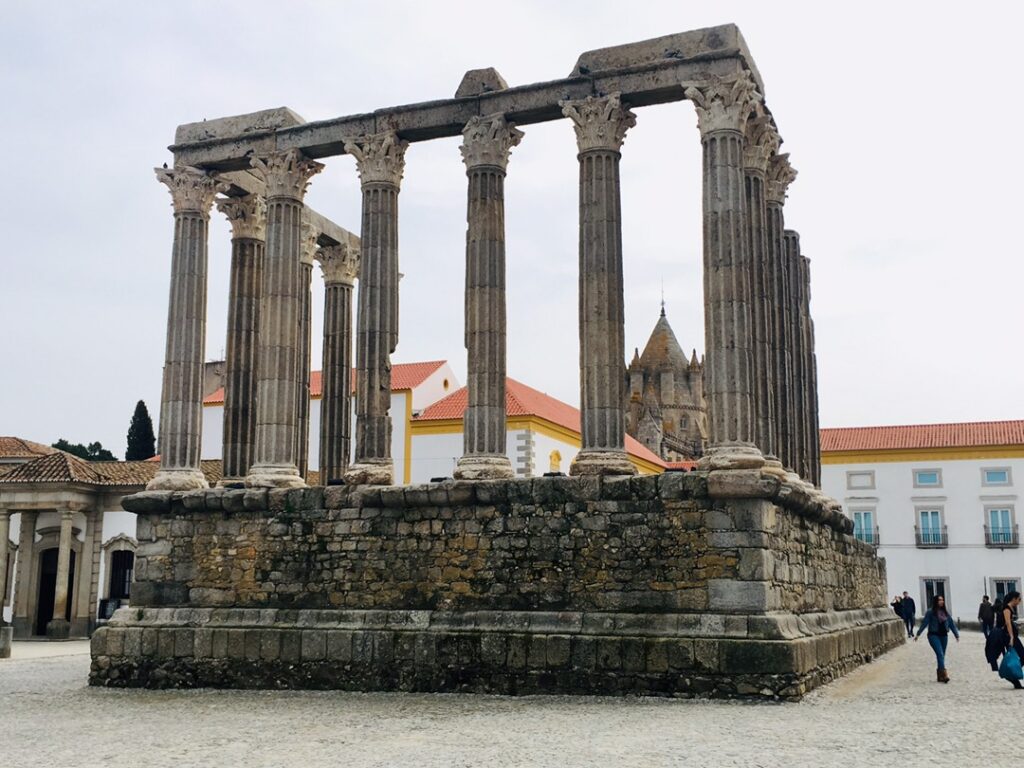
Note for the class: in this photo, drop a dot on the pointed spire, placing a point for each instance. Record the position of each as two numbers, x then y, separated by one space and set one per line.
693 359
663 297
636 357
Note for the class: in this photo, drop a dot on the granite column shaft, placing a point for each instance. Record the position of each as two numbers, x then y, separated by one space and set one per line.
798 391
5 532
309 246
59 626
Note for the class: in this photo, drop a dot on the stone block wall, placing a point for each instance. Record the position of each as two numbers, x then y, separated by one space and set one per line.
728 583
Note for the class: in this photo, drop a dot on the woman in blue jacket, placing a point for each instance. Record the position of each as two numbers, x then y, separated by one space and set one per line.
939 624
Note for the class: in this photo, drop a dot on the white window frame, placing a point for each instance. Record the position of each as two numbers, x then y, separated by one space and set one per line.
992 584
918 509
987 484
873 511
938 477
870 473
924 605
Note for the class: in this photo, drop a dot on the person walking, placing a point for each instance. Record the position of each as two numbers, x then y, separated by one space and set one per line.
909 613
1004 623
986 616
939 624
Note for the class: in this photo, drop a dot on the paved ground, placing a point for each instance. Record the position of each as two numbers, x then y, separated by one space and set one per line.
890 712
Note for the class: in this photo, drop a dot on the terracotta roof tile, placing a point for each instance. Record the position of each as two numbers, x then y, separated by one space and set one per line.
962 435
64 468
521 400
403 376
19 448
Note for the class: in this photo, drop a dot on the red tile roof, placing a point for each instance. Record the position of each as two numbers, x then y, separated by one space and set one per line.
403 376
687 465
19 448
62 467
962 435
521 400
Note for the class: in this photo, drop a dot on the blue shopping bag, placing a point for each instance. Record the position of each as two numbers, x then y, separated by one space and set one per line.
1010 669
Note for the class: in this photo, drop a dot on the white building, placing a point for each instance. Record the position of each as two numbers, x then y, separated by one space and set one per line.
940 503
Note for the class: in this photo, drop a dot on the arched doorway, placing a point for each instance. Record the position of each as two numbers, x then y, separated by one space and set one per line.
48 585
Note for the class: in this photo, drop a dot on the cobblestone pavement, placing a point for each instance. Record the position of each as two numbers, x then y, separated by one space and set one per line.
891 712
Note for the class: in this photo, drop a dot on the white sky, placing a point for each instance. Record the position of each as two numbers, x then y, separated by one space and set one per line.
903 120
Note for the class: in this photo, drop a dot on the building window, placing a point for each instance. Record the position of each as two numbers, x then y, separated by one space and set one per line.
929 531
864 526
1001 586
932 587
860 480
927 478
122 565
996 476
1000 528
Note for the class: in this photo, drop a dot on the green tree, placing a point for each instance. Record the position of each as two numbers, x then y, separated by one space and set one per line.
91 452
141 441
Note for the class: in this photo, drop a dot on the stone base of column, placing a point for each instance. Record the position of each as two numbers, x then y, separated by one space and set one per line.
731 456
483 468
6 638
58 629
772 466
371 472
226 482
274 476
592 462
178 480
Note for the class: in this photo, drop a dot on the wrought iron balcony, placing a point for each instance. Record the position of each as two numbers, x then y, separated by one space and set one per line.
1001 537
931 538
867 535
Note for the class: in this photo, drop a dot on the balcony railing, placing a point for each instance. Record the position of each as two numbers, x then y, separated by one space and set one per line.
867 535
931 538
1001 537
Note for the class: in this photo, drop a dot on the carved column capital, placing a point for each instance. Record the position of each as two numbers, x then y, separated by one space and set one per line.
762 141
286 173
339 263
247 216
192 190
380 157
724 104
780 175
308 244
489 141
601 122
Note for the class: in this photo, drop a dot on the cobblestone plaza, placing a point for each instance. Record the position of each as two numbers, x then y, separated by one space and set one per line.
890 712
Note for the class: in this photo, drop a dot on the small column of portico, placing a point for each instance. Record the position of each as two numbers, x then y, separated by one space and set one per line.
780 175
287 176
487 142
308 254
6 632
723 106
380 159
59 627
26 565
248 218
181 401
601 124
762 141
340 265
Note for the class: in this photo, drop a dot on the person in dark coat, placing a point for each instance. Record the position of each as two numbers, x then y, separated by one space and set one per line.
1005 625
986 616
909 613
939 624
897 606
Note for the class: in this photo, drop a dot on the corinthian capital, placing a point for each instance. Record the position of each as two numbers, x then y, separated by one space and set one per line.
247 216
307 244
761 143
287 173
192 190
780 176
339 263
489 141
601 122
380 157
724 104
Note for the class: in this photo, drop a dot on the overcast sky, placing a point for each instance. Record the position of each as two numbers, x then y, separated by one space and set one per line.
903 119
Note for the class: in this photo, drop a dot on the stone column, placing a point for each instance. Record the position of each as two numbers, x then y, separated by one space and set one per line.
308 254
486 145
5 531
380 159
723 107
779 176
248 217
813 428
601 124
59 627
762 141
798 391
181 401
23 580
287 175
340 265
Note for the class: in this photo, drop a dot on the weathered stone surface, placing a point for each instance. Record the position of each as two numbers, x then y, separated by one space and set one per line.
253 122
477 81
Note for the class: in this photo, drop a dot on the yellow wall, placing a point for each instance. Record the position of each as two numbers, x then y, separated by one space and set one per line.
922 454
